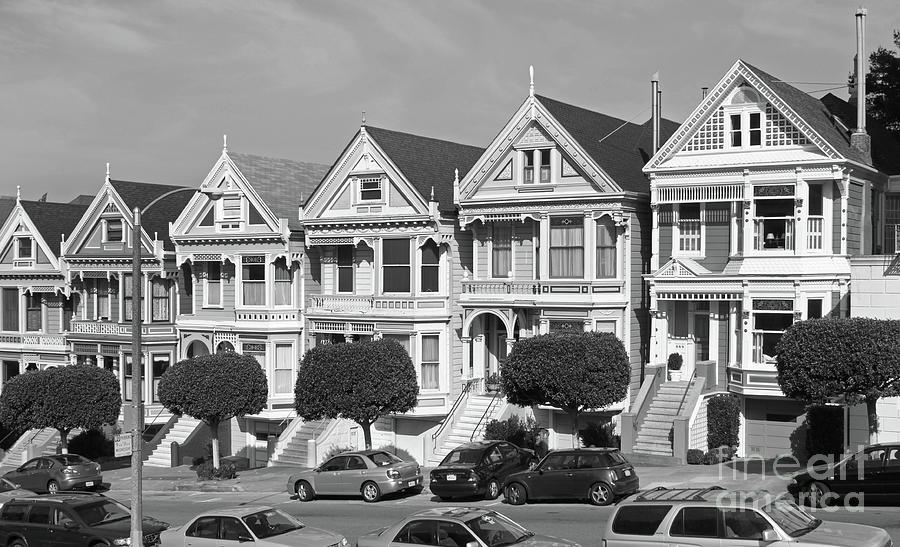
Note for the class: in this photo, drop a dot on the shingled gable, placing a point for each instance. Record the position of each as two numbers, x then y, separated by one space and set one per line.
155 220
426 162
281 183
53 220
625 146
885 146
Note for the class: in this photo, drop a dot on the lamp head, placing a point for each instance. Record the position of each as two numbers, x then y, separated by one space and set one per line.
213 194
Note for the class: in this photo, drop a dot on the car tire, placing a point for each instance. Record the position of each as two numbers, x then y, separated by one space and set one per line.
18 543
816 493
516 494
492 491
304 491
416 490
601 493
52 487
370 492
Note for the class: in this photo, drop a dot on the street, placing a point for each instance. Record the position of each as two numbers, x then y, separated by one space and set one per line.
352 517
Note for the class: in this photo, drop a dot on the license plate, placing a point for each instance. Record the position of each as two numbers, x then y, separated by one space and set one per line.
628 472
89 483
411 483
451 477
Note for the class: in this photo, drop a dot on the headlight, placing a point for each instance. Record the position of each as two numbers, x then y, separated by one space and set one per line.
393 474
344 542
122 541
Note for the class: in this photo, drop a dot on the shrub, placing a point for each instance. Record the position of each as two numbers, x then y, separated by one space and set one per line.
399 452
334 451
825 430
675 361
718 455
92 444
522 433
723 419
206 471
695 457
600 435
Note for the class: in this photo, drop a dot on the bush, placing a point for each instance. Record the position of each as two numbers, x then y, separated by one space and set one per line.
206 471
715 456
695 457
723 419
522 433
8 437
92 444
334 451
825 430
675 361
601 435
400 453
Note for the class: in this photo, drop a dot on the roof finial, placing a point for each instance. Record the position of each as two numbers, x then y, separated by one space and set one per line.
455 176
363 118
531 86
224 143
18 192
432 193
107 171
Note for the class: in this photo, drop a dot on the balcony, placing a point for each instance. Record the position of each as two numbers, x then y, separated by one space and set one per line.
534 292
267 315
376 305
815 240
33 342
106 329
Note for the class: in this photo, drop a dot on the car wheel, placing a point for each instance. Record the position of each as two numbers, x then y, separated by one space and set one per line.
18 543
416 490
304 491
600 493
816 494
493 490
53 487
370 492
515 494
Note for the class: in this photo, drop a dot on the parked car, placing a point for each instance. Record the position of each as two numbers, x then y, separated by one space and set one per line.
599 475
371 473
71 520
714 517
263 526
55 473
9 490
478 469
873 473
459 527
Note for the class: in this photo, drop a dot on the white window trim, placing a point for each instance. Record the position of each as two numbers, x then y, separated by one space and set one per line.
744 111
239 285
615 320
221 304
271 348
511 275
16 256
420 263
418 350
413 278
233 224
148 374
676 234
293 275
357 184
337 270
105 230
585 276
753 251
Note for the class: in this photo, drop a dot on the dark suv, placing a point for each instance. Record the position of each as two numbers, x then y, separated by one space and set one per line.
77 520
599 475
478 469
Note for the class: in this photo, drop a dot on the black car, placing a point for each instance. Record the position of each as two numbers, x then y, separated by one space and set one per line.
599 475
77 520
871 474
478 469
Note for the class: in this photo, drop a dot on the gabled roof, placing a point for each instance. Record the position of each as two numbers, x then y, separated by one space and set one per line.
885 146
6 206
426 162
625 146
83 199
155 220
53 220
282 184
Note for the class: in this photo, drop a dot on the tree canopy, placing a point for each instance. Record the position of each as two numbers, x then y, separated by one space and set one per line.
573 372
361 381
851 361
62 398
214 389
883 86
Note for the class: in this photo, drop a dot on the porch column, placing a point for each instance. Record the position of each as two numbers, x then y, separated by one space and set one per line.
654 325
544 326
844 185
466 357
747 216
478 351
735 221
590 245
715 316
746 329
474 232
545 246
654 240
801 209
733 324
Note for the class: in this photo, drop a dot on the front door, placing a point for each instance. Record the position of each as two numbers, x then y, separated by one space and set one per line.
26 476
555 477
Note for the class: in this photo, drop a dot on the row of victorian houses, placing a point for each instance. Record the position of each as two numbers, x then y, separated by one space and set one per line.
706 239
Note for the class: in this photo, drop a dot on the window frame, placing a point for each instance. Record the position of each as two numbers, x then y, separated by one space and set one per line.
126 298
106 231
29 298
219 283
677 234
433 268
156 281
261 262
351 266
509 227
277 282
368 179
274 368
605 222
580 219
422 362
18 248
744 113
383 266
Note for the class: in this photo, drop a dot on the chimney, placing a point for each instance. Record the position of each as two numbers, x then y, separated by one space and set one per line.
704 91
654 110
861 140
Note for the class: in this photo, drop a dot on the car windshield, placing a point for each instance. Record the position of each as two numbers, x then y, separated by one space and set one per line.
102 512
616 458
271 522
495 530
791 518
70 459
382 459
463 455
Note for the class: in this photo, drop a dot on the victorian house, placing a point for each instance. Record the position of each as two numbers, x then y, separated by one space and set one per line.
383 253
239 245
758 202
556 221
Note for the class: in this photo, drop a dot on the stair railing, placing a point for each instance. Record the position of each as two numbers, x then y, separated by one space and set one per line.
467 387
495 401
686 390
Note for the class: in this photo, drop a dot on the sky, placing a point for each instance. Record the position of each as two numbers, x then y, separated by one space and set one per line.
151 87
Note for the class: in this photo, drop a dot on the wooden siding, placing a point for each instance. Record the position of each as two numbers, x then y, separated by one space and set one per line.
836 218
855 220
665 243
523 250
639 344
459 259
718 240
364 258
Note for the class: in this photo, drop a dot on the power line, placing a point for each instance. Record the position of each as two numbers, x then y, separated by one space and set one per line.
641 113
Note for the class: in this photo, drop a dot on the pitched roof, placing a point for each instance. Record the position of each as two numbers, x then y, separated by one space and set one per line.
282 184
83 199
885 146
625 146
6 206
426 162
155 220
54 220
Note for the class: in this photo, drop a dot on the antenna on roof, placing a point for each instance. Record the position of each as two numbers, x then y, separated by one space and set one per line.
224 143
531 85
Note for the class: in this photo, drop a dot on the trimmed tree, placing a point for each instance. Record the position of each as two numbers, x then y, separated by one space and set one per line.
215 389
572 372
62 398
850 361
361 381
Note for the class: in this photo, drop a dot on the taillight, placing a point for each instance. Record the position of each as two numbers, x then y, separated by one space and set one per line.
393 474
68 470
472 477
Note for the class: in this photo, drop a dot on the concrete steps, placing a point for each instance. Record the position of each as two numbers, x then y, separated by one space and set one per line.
44 440
294 451
653 436
181 430
469 426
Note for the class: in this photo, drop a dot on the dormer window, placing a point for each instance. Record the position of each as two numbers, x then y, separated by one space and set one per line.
537 160
746 129
231 207
114 231
370 188
24 248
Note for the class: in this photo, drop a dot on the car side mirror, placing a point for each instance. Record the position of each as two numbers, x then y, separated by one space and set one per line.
244 539
70 525
770 535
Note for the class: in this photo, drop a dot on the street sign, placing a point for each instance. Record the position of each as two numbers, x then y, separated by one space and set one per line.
123 445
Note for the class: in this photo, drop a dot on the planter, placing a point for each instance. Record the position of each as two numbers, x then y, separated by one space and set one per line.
492 388
674 375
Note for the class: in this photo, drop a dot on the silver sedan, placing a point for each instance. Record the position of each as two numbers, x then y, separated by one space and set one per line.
371 473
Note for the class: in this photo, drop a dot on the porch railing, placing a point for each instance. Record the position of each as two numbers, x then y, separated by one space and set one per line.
489 411
500 287
814 233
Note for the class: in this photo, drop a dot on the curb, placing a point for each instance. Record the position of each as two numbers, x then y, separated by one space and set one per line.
188 487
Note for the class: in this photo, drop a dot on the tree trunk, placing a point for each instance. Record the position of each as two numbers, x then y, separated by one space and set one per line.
64 440
872 414
573 414
367 434
214 440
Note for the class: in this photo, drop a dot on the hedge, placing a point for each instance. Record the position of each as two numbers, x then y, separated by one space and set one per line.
723 419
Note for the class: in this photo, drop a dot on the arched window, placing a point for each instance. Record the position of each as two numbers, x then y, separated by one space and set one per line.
606 248
431 258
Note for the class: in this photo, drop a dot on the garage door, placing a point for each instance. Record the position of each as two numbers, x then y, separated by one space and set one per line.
770 424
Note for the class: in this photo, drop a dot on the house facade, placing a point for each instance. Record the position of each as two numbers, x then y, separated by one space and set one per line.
758 203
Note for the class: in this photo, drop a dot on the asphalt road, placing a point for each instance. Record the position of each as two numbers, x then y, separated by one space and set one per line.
353 517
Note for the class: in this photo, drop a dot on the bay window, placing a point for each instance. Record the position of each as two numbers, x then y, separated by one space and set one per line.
33 313
774 224
253 280
159 294
283 369
567 247
395 261
213 290
128 298
282 283
501 250
430 267
768 328
431 357
689 229
345 268
606 248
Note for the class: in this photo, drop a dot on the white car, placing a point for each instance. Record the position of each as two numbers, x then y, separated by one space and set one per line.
264 526
10 490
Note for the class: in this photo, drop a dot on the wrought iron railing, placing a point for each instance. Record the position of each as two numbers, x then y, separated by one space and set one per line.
489 411
449 417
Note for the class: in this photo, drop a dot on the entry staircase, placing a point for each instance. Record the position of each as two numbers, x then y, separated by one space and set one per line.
180 431
653 435
478 411
294 450
45 440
